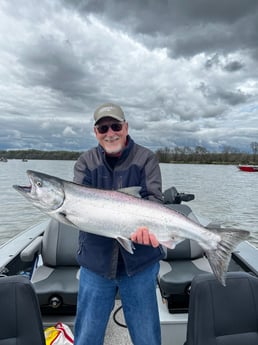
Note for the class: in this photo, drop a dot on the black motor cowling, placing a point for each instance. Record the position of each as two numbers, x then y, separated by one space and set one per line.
171 196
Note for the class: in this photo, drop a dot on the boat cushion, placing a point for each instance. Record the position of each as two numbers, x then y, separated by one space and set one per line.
60 244
181 265
186 250
34 248
58 276
20 319
61 282
223 315
175 277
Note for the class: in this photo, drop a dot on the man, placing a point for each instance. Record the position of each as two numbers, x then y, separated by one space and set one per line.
106 266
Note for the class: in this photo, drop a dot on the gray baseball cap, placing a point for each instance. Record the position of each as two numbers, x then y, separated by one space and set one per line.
109 110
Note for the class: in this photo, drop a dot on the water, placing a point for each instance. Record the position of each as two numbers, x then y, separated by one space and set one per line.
222 193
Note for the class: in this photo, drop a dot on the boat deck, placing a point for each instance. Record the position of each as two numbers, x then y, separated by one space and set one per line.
115 334
173 326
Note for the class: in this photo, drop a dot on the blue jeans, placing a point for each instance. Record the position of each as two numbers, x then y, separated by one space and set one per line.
96 300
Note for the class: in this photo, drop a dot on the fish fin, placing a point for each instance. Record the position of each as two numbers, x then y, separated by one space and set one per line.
126 244
61 217
133 191
219 258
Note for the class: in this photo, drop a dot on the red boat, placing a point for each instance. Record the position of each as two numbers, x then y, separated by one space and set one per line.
249 168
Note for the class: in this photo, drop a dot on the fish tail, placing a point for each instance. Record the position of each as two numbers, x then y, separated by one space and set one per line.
219 258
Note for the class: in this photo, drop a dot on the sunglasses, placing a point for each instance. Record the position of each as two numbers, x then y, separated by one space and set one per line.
116 127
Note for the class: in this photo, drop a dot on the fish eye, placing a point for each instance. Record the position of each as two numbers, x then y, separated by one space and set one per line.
39 183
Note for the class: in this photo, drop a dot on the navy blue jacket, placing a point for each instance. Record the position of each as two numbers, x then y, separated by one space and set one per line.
137 166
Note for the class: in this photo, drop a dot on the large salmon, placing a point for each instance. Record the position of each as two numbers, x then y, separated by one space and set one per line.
117 214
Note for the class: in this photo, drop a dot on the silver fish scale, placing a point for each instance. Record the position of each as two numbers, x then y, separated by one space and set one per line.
115 214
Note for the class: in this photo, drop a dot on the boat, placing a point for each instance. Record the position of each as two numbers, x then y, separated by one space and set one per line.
46 254
3 159
248 167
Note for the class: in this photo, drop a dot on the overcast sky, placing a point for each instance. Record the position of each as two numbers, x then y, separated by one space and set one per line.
184 71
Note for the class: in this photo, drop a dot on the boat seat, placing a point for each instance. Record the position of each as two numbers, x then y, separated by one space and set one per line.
20 317
56 279
223 315
179 267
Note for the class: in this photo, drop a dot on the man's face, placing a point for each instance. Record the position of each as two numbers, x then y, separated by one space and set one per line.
113 140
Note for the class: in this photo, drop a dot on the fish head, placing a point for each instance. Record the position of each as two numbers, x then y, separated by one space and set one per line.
45 192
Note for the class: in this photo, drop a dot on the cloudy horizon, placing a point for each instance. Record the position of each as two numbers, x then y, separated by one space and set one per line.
185 72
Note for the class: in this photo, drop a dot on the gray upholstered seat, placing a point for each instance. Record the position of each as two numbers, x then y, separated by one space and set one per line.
20 317
223 315
56 279
179 268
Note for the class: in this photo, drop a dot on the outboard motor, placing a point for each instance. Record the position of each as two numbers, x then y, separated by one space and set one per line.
171 196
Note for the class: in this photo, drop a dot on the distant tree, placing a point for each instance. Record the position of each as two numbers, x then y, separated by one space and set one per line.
164 155
254 147
200 150
229 149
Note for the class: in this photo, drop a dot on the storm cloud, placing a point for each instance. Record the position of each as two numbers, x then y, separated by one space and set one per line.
185 72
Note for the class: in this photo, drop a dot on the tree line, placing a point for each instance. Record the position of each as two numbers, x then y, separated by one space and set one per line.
38 154
201 155
198 155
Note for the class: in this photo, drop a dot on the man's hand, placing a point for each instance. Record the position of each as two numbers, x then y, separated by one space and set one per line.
143 236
